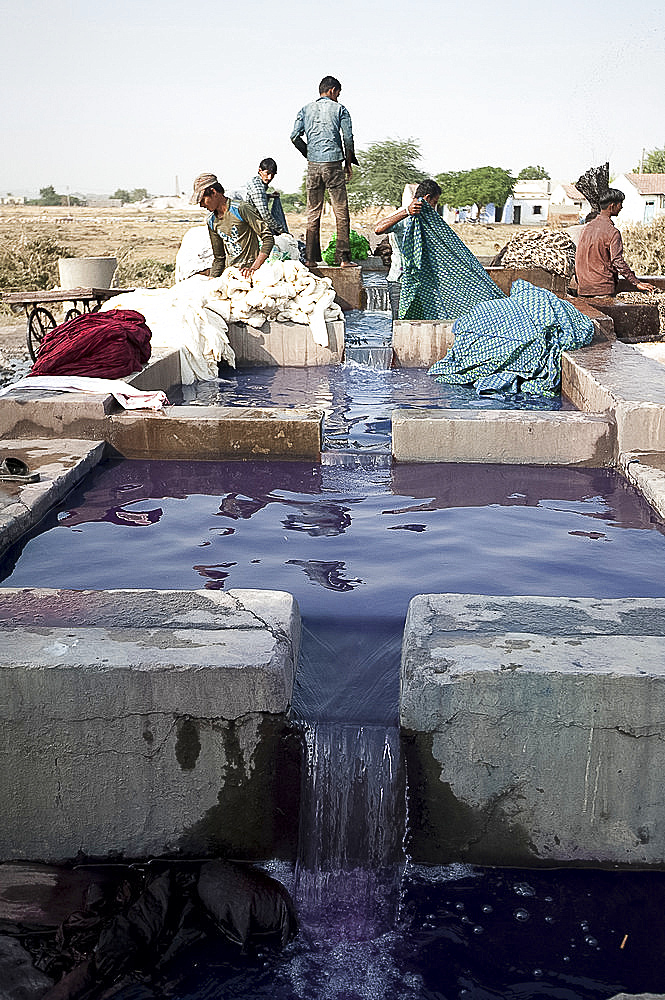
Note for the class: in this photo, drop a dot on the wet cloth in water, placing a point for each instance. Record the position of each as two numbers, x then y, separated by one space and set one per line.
103 345
442 279
515 344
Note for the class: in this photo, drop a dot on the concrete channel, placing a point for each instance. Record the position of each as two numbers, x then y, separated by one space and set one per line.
194 688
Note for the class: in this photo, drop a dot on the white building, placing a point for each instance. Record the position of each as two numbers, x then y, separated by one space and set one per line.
531 201
645 197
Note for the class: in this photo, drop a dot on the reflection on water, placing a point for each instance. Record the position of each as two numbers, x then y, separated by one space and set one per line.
354 541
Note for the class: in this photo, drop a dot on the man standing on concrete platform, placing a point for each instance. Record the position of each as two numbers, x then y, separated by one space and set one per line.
326 125
238 235
599 256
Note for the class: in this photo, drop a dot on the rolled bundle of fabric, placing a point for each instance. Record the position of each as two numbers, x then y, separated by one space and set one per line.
102 345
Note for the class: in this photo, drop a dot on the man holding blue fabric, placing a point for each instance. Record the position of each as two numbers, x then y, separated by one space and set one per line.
238 236
329 150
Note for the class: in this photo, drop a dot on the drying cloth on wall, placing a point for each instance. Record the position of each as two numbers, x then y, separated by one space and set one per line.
186 318
553 251
98 344
515 344
442 279
125 394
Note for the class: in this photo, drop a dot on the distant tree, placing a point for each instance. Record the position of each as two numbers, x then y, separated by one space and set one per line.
127 197
48 196
481 186
293 202
654 162
533 174
383 170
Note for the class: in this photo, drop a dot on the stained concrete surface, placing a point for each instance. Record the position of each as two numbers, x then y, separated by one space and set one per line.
61 464
534 730
506 436
139 723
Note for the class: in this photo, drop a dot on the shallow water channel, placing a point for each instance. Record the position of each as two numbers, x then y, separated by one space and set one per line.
354 538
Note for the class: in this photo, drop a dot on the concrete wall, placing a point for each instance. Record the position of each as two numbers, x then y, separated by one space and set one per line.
533 730
179 432
139 723
508 436
617 379
285 344
419 343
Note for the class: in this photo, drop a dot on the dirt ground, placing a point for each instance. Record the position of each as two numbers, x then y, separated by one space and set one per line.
156 235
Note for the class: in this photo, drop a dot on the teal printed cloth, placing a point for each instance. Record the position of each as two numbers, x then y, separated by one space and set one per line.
442 279
515 344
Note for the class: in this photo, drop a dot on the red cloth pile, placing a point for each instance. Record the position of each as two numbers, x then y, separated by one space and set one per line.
109 344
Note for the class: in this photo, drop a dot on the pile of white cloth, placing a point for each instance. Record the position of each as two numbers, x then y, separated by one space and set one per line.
193 316
186 317
281 290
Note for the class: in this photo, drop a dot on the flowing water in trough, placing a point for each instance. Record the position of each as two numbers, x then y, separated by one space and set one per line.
354 538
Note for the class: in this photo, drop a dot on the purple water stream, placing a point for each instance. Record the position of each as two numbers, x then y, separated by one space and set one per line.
354 542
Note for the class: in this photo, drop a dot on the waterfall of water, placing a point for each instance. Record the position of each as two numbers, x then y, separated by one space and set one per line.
377 299
350 857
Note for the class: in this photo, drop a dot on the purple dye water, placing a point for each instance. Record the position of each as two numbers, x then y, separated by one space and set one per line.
354 542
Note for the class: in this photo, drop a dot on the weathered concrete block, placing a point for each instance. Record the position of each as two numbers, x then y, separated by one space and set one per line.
147 722
40 413
348 285
505 436
288 345
215 432
503 277
647 473
419 343
61 465
534 729
161 372
616 378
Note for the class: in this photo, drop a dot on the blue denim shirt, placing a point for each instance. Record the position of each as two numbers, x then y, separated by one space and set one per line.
327 127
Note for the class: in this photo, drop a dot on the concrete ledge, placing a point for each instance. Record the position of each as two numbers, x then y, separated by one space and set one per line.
504 436
534 730
39 413
419 343
60 464
646 471
146 722
504 277
189 432
161 372
348 285
288 345
215 432
617 379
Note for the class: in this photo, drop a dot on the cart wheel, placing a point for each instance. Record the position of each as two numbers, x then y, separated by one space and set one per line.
72 314
40 321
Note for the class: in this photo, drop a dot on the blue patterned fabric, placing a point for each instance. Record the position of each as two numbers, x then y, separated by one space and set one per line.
442 279
515 344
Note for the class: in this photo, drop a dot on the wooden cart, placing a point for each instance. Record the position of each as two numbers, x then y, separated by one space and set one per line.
39 317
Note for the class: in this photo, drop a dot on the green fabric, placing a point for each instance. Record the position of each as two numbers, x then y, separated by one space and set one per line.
515 344
442 279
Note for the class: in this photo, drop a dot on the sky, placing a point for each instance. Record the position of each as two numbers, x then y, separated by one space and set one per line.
128 94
